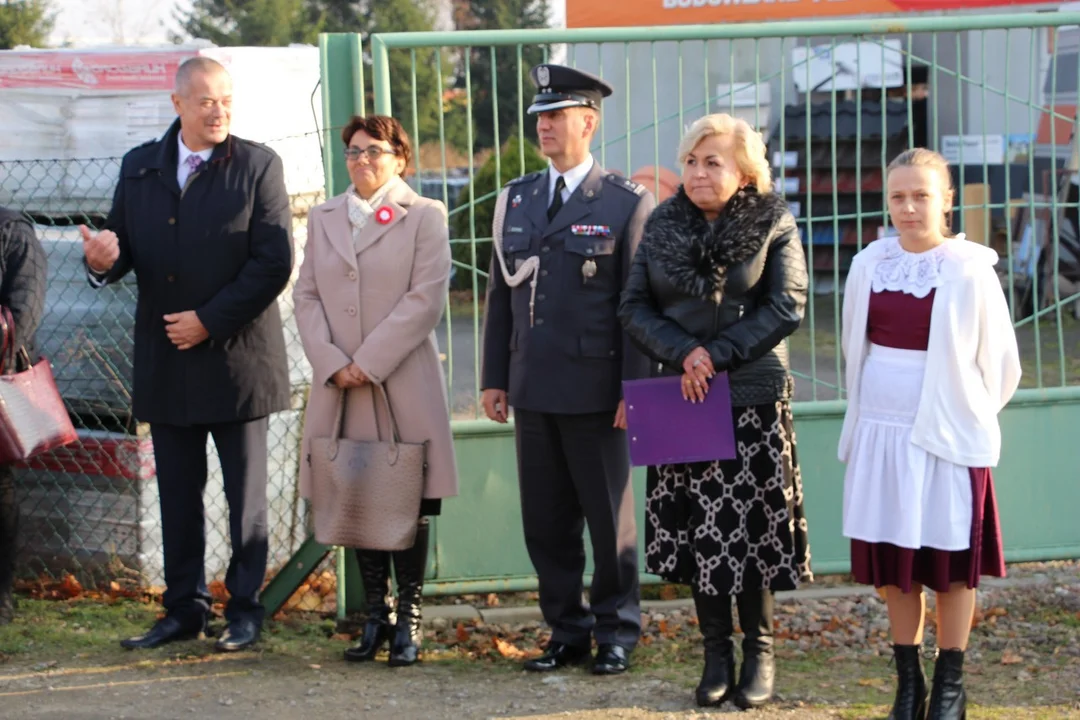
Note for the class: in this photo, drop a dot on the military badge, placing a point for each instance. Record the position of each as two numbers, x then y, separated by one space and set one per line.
588 269
515 201
591 230
543 76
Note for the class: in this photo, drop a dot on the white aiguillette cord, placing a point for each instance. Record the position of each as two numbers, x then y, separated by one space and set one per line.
531 266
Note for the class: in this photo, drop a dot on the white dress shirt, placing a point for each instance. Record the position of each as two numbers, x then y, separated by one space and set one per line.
572 177
182 169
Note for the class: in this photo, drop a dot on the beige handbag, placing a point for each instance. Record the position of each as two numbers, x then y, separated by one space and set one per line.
367 494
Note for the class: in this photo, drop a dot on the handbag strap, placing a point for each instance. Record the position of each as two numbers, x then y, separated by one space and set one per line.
339 420
7 351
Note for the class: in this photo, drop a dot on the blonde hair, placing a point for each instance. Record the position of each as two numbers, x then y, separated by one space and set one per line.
924 158
749 146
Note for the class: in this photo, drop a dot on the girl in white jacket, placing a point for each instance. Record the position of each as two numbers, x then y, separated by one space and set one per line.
931 359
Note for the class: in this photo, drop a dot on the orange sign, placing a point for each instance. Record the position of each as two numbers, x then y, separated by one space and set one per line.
634 13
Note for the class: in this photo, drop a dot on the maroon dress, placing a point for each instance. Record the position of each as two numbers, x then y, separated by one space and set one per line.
900 320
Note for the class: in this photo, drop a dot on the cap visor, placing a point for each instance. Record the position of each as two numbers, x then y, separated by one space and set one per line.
545 107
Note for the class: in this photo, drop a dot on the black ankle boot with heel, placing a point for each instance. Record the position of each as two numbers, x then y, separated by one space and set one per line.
910 700
409 567
715 622
948 699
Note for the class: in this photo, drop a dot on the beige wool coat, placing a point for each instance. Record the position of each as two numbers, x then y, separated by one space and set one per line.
377 303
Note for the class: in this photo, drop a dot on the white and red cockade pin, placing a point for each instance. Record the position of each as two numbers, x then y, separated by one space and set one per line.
384 215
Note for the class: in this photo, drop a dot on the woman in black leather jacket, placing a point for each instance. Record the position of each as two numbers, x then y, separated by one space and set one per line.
717 284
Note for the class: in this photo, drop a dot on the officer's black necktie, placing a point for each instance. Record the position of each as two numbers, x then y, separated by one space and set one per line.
556 202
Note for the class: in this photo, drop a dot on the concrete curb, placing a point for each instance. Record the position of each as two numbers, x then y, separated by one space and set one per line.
531 613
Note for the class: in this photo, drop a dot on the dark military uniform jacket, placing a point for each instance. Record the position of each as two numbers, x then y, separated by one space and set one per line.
572 357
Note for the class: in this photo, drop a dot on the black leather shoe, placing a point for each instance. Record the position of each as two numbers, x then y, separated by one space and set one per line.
558 655
239 635
166 630
611 660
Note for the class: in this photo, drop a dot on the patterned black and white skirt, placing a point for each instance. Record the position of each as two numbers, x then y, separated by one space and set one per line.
733 525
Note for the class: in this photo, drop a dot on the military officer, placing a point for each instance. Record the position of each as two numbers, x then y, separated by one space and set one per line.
555 352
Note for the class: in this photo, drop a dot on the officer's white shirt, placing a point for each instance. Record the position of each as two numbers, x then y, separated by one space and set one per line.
572 177
182 169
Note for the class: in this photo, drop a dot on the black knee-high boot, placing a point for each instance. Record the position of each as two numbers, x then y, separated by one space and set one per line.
409 566
910 701
375 574
758 669
948 699
9 519
715 622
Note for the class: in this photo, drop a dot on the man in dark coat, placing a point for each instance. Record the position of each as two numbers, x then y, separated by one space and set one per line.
203 219
22 290
555 352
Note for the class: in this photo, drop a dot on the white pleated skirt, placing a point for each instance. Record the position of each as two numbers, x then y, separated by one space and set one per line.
895 492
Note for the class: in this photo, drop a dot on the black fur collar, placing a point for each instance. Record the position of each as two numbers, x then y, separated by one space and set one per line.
695 254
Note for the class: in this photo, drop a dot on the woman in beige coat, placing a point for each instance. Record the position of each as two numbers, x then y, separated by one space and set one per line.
371 291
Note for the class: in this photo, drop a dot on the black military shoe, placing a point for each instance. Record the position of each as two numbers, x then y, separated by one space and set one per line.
558 655
611 660
239 635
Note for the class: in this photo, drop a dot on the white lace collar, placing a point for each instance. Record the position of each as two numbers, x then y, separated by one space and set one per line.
915 274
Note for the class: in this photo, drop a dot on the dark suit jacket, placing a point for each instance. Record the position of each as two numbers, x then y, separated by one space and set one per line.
22 277
574 357
221 247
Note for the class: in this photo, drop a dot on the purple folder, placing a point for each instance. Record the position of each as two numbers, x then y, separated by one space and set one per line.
663 428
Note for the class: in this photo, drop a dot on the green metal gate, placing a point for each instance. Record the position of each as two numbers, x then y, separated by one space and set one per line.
1002 87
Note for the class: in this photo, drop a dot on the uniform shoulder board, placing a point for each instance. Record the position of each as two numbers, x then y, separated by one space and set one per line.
626 184
524 178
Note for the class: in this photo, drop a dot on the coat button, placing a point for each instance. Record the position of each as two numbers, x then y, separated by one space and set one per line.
170 277
351 310
539 321
541 298
172 221
611 353
352 274
546 248
588 251
543 273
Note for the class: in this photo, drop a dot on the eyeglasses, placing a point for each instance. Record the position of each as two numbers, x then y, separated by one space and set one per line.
373 153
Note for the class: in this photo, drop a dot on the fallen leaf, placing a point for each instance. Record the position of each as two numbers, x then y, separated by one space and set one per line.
492 600
509 650
342 636
462 633
1010 658
315 667
668 592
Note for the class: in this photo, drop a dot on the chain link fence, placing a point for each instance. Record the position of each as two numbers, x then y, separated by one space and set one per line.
92 509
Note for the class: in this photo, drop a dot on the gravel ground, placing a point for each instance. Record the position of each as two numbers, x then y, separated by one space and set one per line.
60 660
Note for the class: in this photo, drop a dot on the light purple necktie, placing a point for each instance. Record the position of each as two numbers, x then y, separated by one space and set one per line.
194 162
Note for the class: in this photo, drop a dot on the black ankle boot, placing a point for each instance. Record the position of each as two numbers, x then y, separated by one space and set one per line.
948 700
409 566
910 701
759 669
718 677
375 573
